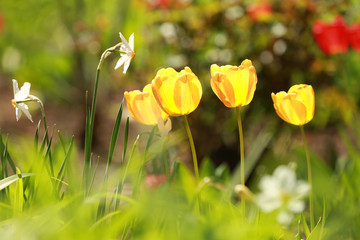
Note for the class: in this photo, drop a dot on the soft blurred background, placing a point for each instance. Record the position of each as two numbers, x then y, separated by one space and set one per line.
56 45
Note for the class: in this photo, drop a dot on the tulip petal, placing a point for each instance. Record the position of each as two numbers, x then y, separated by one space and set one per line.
306 93
187 93
234 86
143 107
223 89
177 93
294 109
277 98
162 87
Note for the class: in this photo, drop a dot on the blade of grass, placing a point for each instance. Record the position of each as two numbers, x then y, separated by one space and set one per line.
323 221
36 137
8 157
13 178
94 174
253 156
114 137
48 153
305 226
113 140
18 194
126 138
122 182
137 184
60 174
62 141
87 147
4 172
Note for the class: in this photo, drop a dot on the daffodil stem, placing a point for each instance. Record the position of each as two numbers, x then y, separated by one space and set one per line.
192 146
89 131
46 135
242 162
309 178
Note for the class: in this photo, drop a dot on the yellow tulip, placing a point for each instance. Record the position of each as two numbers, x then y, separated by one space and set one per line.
143 106
178 93
297 106
234 86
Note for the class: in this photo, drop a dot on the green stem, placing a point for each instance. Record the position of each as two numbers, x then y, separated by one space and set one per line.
90 130
242 158
192 146
309 178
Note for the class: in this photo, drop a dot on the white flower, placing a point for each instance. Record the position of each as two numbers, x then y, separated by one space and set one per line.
127 52
283 192
20 97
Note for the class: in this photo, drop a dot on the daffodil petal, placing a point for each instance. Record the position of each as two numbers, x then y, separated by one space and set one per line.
131 41
120 62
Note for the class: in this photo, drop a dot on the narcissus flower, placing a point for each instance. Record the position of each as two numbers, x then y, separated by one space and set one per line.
332 37
297 106
282 192
20 98
178 93
143 106
234 86
127 52
354 36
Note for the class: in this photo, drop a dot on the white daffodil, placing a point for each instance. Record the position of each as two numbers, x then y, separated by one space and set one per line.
20 97
127 52
282 192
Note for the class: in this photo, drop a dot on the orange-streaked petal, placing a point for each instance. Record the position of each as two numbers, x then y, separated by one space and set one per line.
238 84
143 107
223 89
294 109
306 93
177 93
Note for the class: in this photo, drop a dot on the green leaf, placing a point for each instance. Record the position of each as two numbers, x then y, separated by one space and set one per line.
66 159
321 231
323 221
126 138
299 233
207 168
62 141
305 226
315 234
114 137
122 182
253 155
87 147
36 137
18 193
9 180
5 155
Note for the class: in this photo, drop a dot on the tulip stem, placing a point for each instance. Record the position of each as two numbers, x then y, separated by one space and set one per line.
242 158
309 178
192 146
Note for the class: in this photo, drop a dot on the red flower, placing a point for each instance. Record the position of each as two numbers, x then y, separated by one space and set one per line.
354 36
259 12
165 4
331 37
153 181
1 22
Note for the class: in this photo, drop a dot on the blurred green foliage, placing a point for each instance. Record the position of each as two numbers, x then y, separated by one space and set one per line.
56 46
